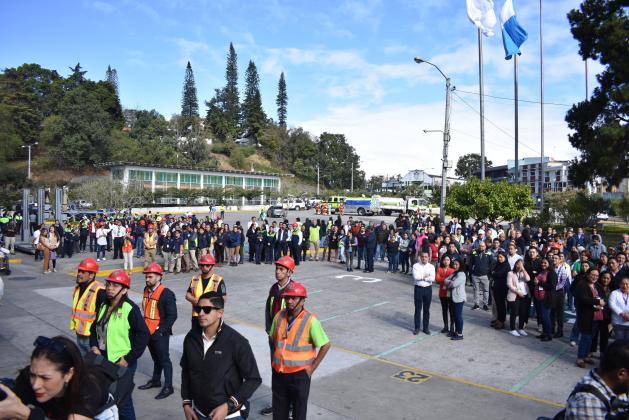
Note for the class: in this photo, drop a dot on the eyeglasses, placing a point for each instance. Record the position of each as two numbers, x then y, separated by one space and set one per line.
206 309
49 343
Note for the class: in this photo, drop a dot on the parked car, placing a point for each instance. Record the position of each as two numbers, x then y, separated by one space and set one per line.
277 210
295 204
602 216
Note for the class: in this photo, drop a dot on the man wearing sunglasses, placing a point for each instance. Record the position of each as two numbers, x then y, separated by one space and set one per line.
218 369
208 281
120 333
160 313
88 295
296 334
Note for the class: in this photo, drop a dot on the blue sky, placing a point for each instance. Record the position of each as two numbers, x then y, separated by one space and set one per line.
348 64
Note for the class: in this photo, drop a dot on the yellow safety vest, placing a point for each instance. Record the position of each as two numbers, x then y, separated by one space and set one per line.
84 308
196 286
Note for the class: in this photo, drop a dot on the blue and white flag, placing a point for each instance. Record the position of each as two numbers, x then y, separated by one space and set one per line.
481 13
513 35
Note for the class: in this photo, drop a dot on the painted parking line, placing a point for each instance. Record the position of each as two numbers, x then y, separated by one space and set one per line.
105 273
539 369
433 333
364 308
15 261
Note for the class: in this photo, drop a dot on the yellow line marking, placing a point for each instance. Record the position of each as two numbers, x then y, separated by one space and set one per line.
105 273
15 261
434 374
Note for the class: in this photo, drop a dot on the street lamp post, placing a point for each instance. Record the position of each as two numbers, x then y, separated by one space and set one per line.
446 140
352 184
317 180
29 157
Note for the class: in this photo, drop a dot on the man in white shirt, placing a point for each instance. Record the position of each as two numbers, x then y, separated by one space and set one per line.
424 277
513 256
35 243
118 234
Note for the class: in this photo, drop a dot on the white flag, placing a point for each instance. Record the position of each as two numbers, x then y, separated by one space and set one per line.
481 13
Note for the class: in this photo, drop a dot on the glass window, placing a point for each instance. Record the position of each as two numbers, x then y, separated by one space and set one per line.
135 175
117 173
253 183
190 181
271 183
233 180
166 179
212 181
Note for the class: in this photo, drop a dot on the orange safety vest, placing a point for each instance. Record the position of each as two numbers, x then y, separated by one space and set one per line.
149 307
84 308
196 285
292 349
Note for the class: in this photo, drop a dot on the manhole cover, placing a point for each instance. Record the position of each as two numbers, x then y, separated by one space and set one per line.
21 278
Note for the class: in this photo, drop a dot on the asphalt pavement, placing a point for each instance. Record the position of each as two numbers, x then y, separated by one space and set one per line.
376 368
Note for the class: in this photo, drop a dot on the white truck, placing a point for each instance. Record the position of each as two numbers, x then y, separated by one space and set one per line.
408 205
295 204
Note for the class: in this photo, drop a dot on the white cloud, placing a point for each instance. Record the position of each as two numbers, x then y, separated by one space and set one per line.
390 140
101 6
188 48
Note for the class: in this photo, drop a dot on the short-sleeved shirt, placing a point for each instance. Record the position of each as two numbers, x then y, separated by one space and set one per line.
316 334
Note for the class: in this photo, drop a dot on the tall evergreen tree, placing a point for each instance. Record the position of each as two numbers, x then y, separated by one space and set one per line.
111 75
253 115
231 98
189 102
281 101
77 77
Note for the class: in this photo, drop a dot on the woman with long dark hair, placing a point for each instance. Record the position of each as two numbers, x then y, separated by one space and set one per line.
545 283
499 274
443 271
58 385
590 303
455 283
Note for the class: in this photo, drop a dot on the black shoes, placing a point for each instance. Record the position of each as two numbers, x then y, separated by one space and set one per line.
165 392
416 331
150 384
485 308
475 307
444 330
267 411
426 331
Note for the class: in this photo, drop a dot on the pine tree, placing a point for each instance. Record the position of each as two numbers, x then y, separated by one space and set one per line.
254 118
281 101
230 95
111 75
189 102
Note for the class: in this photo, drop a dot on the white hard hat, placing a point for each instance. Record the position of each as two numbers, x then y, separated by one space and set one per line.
481 232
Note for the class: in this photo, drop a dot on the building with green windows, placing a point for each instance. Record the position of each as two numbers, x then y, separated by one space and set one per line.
156 177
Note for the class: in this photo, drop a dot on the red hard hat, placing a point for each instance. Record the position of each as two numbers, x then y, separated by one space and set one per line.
88 264
286 262
295 288
120 277
142 222
154 268
207 259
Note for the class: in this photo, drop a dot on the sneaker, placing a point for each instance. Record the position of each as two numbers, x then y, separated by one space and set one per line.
485 308
104 259
514 333
475 307
573 344
98 259
267 411
456 337
540 329
54 270
522 333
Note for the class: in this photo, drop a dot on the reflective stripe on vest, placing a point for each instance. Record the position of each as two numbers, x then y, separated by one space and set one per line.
196 285
150 309
84 308
292 350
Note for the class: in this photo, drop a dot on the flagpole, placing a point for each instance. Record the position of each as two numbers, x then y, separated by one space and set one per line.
482 104
541 73
516 176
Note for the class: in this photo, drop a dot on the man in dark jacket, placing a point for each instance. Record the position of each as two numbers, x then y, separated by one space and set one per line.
370 242
481 266
361 239
160 313
218 369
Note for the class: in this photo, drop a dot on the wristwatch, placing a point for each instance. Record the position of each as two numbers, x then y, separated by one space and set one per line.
232 405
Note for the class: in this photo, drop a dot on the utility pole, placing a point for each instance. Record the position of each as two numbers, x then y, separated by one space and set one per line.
28 146
317 180
352 184
446 140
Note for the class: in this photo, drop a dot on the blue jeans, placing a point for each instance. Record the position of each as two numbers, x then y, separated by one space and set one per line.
139 247
574 334
458 317
380 248
423 297
100 251
545 313
127 412
361 256
393 262
585 342
83 341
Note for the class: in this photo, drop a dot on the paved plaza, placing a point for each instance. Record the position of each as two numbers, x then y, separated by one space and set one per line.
376 368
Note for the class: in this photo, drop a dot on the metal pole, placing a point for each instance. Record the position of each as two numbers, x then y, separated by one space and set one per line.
352 185
26 227
587 89
482 105
317 180
29 162
516 175
444 168
541 72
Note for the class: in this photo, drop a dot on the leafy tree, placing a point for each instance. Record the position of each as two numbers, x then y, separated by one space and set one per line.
230 96
574 208
217 118
111 76
281 101
254 118
77 77
107 96
469 165
11 182
10 140
600 126
189 102
621 207
485 200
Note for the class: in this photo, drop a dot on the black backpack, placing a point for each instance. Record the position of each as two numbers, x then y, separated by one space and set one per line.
119 380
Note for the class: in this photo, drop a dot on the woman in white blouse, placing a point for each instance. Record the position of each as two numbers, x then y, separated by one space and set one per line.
619 304
517 282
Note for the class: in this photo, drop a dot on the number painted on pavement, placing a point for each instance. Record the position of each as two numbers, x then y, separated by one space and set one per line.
412 377
363 279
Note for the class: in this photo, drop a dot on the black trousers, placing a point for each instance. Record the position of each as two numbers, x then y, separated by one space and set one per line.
118 242
369 259
517 309
295 253
556 314
447 309
258 252
252 250
500 296
290 389
158 347
92 242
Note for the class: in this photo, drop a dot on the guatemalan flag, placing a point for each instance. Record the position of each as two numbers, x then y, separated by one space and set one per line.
513 35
